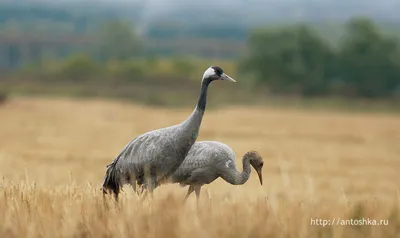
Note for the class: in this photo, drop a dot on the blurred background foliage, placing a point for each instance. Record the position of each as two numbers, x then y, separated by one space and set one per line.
53 48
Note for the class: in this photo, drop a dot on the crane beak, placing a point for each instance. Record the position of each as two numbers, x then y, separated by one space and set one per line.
227 77
260 175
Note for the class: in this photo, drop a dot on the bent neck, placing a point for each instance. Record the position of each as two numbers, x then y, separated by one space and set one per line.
245 174
234 177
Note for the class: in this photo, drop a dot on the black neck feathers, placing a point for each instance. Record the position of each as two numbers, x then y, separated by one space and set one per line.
201 104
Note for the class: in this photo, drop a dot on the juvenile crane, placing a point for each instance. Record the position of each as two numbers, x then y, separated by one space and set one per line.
209 160
155 155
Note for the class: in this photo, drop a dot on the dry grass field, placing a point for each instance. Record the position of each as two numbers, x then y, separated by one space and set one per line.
318 165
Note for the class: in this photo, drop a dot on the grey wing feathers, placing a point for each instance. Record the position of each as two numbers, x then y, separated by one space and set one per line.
205 154
202 176
219 151
146 149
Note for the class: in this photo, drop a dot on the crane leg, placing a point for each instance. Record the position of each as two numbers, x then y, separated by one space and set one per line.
133 184
143 192
148 188
116 197
144 195
197 191
143 189
190 191
151 187
131 179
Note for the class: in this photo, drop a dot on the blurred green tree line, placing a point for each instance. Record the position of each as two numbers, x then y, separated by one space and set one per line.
295 60
290 60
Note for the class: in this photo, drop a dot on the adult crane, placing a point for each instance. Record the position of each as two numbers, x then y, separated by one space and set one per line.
154 156
209 160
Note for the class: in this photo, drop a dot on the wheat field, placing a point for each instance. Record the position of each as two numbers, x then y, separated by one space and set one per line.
318 165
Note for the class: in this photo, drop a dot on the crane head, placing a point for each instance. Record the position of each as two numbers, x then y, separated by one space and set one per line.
216 73
257 162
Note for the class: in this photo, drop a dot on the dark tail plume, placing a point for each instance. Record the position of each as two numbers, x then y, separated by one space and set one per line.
112 180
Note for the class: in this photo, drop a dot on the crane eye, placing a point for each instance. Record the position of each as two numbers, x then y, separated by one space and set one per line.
261 164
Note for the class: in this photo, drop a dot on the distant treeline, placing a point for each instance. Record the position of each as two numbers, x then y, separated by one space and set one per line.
295 60
24 22
288 60
52 17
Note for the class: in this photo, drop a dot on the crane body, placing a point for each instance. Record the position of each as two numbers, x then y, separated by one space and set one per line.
153 156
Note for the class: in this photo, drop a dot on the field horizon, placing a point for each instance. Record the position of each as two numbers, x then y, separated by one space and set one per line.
318 165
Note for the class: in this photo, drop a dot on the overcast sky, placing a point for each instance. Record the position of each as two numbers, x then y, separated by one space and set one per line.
255 10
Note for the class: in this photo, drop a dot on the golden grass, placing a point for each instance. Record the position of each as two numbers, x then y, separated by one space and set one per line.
53 154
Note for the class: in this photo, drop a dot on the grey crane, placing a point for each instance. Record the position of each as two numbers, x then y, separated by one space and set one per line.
155 155
209 160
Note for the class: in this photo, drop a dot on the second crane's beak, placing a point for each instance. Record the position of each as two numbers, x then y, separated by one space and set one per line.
227 77
260 175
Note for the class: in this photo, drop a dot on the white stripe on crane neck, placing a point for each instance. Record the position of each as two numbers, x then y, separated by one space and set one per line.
208 73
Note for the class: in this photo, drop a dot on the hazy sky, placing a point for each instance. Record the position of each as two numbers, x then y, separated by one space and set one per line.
249 10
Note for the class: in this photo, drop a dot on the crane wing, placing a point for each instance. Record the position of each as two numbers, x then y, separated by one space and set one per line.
146 149
204 156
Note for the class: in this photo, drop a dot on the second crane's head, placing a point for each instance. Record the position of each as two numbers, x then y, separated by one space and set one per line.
215 73
257 162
